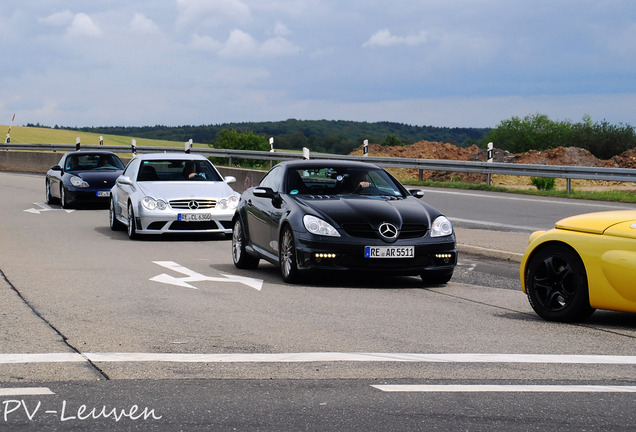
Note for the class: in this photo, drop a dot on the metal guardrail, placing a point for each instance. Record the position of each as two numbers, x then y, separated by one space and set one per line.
530 170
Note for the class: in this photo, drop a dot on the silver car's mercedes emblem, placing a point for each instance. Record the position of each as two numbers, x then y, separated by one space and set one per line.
193 205
388 230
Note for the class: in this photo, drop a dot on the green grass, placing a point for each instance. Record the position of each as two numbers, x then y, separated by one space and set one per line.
32 135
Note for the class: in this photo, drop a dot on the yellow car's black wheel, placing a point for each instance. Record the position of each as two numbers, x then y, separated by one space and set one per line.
556 284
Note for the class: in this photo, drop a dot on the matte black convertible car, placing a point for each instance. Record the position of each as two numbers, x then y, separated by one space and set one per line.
83 176
341 215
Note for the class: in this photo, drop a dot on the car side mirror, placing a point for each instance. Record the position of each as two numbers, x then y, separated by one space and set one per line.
417 193
229 179
264 192
124 180
56 168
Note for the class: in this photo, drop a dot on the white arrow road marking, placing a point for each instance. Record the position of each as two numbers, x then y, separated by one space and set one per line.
192 276
44 207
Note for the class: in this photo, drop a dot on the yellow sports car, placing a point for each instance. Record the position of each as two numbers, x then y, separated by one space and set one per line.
586 262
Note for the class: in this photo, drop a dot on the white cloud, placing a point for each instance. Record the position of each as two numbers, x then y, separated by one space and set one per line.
278 46
384 38
63 18
83 26
239 44
141 24
205 43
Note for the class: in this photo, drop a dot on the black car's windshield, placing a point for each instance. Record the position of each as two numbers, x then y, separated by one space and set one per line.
177 170
92 161
341 181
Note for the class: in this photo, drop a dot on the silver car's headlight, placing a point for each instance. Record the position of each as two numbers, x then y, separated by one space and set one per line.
78 182
228 203
154 204
319 227
441 227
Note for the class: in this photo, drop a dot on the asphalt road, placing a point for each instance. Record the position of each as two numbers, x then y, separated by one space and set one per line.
91 319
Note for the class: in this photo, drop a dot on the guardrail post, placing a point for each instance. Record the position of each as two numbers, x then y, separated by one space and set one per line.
568 185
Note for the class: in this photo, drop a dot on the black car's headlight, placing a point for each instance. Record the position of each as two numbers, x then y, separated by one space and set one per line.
154 204
78 182
441 227
318 226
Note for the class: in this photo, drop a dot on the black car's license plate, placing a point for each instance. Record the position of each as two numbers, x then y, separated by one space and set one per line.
103 194
389 251
194 217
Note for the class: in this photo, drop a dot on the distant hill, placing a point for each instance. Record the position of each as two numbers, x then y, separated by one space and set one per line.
330 136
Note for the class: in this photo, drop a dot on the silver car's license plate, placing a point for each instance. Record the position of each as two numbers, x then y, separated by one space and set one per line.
194 217
389 251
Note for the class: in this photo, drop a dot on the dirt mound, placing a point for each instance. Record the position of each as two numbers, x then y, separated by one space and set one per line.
571 156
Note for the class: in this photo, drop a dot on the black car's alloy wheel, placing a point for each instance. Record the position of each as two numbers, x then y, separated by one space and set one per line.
49 198
287 256
63 198
132 231
556 284
241 258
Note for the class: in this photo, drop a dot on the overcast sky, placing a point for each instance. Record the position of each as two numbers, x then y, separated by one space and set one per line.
448 63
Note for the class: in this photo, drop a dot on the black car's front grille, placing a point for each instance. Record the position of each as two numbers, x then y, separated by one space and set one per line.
362 230
413 231
192 204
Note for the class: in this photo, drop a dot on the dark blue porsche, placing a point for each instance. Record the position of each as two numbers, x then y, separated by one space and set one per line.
341 215
83 176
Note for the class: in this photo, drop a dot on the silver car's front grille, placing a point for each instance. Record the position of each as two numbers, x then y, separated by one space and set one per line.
193 204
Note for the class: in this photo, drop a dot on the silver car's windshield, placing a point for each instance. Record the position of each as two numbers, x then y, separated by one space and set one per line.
341 181
177 170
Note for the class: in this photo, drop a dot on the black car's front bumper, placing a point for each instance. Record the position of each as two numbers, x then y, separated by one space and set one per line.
348 254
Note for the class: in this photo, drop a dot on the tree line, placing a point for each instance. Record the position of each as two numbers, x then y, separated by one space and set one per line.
539 132
328 136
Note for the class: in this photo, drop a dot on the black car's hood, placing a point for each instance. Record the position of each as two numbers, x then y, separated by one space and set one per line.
99 178
370 210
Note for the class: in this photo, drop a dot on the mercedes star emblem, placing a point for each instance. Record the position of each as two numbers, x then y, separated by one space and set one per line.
388 230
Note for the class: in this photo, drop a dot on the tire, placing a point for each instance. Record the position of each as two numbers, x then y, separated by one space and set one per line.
241 258
556 285
132 230
63 199
438 277
49 198
114 224
287 256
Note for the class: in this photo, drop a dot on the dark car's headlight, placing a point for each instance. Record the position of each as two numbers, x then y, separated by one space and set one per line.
228 203
441 227
319 227
78 182
154 204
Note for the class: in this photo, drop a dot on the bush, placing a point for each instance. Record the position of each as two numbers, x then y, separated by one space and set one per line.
543 183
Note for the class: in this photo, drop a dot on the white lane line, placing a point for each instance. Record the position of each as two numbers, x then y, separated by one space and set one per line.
317 357
499 225
510 197
26 391
42 358
506 388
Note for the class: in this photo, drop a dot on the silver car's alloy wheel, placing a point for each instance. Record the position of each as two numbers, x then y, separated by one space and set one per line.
112 217
132 232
